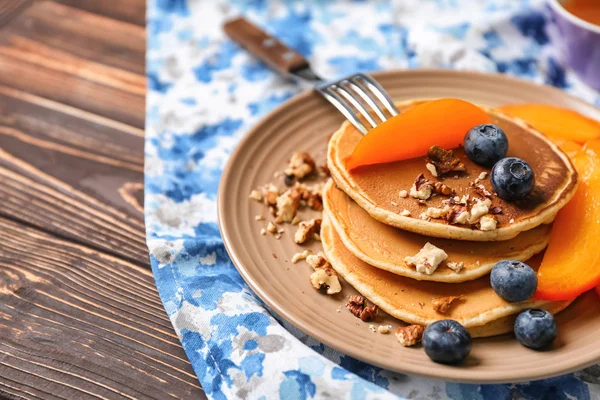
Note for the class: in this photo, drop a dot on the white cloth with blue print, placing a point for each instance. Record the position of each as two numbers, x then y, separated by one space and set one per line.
205 93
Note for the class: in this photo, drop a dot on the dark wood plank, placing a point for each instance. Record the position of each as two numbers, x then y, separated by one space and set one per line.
72 173
76 58
9 9
132 11
76 323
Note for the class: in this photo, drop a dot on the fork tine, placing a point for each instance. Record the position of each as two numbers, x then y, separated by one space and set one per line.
367 98
343 107
357 104
378 91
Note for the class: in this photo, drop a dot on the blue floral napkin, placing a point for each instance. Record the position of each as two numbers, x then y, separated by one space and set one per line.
204 92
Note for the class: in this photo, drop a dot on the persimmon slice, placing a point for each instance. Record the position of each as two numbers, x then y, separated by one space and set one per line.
410 134
556 122
571 264
570 147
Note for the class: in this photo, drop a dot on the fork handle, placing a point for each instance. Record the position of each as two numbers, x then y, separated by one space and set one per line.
265 47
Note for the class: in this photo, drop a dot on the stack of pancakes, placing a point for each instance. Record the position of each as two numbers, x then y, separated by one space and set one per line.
369 229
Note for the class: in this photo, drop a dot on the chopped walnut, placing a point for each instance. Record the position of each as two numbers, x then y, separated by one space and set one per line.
481 191
458 215
403 194
442 305
384 329
405 213
481 177
512 221
271 227
301 164
443 189
427 259
316 237
357 305
307 229
421 189
263 231
409 335
310 196
256 195
287 206
488 223
496 210
431 168
479 209
324 169
455 266
301 256
394 203
444 160
270 194
324 275
434 212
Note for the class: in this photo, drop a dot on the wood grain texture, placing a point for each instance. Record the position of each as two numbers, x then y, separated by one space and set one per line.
80 316
76 58
128 11
81 323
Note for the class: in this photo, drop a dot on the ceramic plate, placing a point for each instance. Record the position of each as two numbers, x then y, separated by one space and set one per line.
305 123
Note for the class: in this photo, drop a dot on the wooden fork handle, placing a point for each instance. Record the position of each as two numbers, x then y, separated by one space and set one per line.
265 47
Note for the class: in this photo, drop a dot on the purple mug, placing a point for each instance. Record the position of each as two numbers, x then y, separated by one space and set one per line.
580 42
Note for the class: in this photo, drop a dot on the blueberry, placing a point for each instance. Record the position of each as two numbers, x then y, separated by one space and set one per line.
513 280
535 328
512 178
486 144
446 342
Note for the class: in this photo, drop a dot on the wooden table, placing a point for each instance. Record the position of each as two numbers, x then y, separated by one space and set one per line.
80 316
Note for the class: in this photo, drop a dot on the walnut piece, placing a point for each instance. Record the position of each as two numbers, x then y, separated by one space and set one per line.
496 210
427 259
324 275
458 215
488 223
481 191
455 266
434 212
307 229
479 209
287 206
301 164
357 305
256 195
271 227
431 168
421 189
384 329
409 335
443 189
442 305
444 160
405 213
270 194
301 256
403 194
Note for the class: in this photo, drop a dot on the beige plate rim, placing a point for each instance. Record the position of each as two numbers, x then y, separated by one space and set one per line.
466 375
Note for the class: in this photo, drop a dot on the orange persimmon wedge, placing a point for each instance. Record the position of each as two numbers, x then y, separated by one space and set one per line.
556 122
571 264
570 147
410 134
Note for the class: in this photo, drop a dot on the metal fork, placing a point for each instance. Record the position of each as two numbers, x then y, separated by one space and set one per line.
358 97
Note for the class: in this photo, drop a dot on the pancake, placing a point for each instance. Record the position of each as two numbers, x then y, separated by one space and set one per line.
385 247
401 297
376 187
